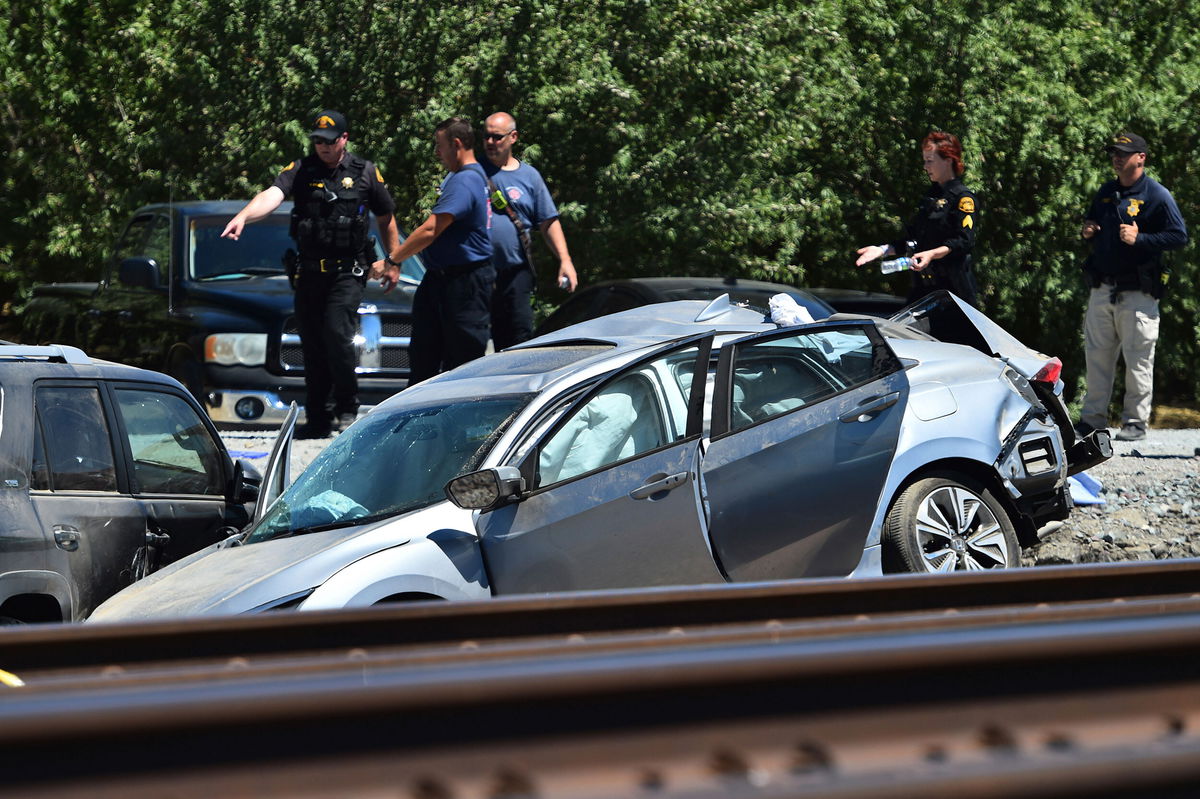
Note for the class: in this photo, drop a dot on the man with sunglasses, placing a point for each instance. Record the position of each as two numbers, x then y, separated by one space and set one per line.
1131 222
520 203
332 190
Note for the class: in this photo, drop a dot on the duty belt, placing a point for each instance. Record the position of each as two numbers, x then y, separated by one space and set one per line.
327 265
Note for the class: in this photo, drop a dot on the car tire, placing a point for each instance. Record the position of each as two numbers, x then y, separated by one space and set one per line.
949 522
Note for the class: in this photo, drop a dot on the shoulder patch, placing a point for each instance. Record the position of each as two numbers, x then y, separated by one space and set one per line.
378 175
967 221
966 205
290 166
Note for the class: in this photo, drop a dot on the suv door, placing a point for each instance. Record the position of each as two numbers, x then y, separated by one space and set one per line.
94 531
613 501
804 428
178 470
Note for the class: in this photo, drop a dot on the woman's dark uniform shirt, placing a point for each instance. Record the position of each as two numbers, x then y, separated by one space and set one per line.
948 215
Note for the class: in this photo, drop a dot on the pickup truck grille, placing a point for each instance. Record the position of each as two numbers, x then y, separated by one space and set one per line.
382 343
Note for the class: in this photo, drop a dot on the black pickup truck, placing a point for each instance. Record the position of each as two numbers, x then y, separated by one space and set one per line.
216 314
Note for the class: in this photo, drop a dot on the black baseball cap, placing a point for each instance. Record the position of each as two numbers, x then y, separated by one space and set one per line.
1126 143
328 125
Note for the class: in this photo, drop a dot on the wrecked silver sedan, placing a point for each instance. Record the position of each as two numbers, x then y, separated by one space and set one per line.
678 443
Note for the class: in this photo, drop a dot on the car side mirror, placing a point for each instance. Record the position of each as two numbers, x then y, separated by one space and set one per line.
139 271
486 488
247 482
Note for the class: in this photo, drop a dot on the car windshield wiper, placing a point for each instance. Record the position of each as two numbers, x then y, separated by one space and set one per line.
251 270
340 523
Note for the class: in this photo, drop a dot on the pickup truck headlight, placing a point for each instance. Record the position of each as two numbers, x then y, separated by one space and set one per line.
236 349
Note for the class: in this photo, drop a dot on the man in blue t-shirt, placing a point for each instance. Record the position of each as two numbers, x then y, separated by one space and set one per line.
522 190
450 314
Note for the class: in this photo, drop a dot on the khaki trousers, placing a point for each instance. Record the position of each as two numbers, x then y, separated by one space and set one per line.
1127 327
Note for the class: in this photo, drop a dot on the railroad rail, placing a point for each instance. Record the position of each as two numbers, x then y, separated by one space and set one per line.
1074 681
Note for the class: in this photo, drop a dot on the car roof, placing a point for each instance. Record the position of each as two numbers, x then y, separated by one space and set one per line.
58 360
648 324
705 288
618 337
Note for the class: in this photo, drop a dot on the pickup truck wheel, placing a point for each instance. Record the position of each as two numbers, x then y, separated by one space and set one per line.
186 369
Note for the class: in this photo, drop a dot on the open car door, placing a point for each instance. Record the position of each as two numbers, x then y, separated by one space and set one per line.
278 474
613 499
805 424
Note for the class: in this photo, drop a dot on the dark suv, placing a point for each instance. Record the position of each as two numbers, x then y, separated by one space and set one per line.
106 473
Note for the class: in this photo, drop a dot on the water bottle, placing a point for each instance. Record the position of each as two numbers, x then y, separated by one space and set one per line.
896 265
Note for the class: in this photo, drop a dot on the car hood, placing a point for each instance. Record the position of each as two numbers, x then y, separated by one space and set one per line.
273 291
236 579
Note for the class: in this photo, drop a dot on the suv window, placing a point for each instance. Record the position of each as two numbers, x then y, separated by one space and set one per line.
72 447
173 452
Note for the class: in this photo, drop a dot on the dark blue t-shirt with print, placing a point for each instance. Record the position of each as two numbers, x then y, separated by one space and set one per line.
463 196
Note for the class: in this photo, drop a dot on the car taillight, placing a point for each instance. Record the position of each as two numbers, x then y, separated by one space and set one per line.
1050 372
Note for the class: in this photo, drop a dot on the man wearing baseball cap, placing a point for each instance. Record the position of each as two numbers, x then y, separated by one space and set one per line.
1132 221
332 190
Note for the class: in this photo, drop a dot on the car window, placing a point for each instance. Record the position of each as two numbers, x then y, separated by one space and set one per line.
72 447
777 375
619 300
173 452
577 308
638 412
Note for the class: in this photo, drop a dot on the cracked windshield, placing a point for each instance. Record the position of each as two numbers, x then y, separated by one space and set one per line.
389 464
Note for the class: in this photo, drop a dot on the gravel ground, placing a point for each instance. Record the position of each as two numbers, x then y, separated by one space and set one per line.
1151 509
255 446
1151 492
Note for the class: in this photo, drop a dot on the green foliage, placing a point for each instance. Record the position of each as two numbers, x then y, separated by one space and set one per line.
752 138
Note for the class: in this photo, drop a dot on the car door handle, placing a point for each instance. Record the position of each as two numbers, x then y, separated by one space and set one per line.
669 483
66 537
871 407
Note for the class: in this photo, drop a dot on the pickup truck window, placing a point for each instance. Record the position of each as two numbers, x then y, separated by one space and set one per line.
72 446
173 452
158 245
133 240
259 250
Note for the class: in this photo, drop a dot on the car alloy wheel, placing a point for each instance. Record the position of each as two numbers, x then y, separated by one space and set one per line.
949 523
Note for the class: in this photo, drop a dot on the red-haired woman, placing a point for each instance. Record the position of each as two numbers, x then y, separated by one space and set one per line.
939 239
